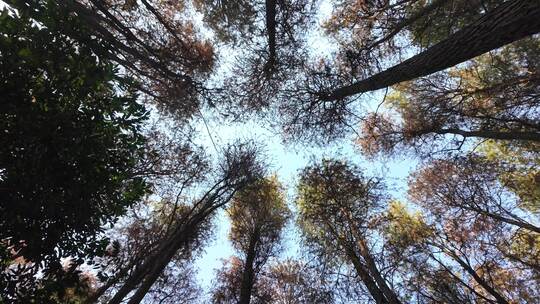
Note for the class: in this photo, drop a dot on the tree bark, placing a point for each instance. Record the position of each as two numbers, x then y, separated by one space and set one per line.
271 32
246 286
376 274
363 273
510 21
502 135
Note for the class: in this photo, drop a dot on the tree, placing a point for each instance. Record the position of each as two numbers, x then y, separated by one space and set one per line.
470 185
174 168
239 168
511 21
70 142
230 21
457 251
134 241
464 246
337 207
280 22
294 282
321 105
493 97
377 34
258 214
164 53
270 38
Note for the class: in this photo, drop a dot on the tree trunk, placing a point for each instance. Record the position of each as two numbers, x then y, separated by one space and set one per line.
498 297
271 32
154 274
389 294
177 241
248 276
369 262
363 273
154 265
511 21
501 135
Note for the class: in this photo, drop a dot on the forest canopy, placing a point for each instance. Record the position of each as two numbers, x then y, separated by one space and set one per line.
134 132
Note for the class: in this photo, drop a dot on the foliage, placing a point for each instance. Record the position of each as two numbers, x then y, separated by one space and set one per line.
70 140
258 214
493 97
100 204
147 39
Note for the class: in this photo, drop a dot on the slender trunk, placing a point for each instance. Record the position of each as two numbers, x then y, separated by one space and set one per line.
502 135
178 241
459 278
370 264
98 293
500 299
363 273
154 274
248 275
510 21
376 274
360 268
271 32
154 265
129 285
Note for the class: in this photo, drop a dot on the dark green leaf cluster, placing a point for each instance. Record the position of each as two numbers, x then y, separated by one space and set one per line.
70 135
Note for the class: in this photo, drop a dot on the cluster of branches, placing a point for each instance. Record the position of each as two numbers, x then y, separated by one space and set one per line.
150 40
322 101
464 244
74 157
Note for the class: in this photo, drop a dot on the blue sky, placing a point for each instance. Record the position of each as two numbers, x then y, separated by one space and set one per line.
287 160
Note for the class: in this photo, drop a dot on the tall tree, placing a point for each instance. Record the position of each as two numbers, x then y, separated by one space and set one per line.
510 21
470 185
337 205
464 251
239 168
258 214
321 104
149 226
147 38
70 143
270 38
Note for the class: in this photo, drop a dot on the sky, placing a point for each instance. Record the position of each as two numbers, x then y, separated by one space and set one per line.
286 160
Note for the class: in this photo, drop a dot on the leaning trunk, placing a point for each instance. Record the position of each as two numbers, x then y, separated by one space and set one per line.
498 297
507 23
248 274
376 274
271 32
363 273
